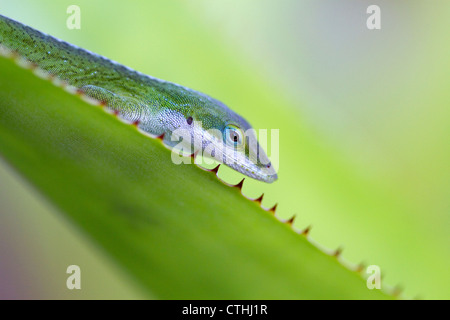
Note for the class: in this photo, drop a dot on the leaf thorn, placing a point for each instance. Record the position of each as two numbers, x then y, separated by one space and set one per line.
161 136
194 155
214 170
396 292
290 221
273 209
360 267
259 200
337 253
306 231
240 184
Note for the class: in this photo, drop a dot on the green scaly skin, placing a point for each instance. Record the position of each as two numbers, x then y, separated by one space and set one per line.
157 107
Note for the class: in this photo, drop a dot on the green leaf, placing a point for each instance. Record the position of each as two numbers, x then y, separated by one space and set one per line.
178 230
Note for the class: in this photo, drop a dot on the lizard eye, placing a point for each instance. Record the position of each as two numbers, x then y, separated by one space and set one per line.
233 136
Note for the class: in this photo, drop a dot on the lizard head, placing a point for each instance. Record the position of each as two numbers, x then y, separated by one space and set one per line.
225 136
243 152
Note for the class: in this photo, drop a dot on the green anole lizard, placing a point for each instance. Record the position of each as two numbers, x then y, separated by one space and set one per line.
158 108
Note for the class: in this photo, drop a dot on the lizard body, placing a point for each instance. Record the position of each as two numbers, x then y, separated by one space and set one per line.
158 107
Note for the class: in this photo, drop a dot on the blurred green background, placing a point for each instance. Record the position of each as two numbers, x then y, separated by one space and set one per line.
363 118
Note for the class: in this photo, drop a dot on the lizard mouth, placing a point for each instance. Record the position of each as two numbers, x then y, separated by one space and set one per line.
265 174
257 168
